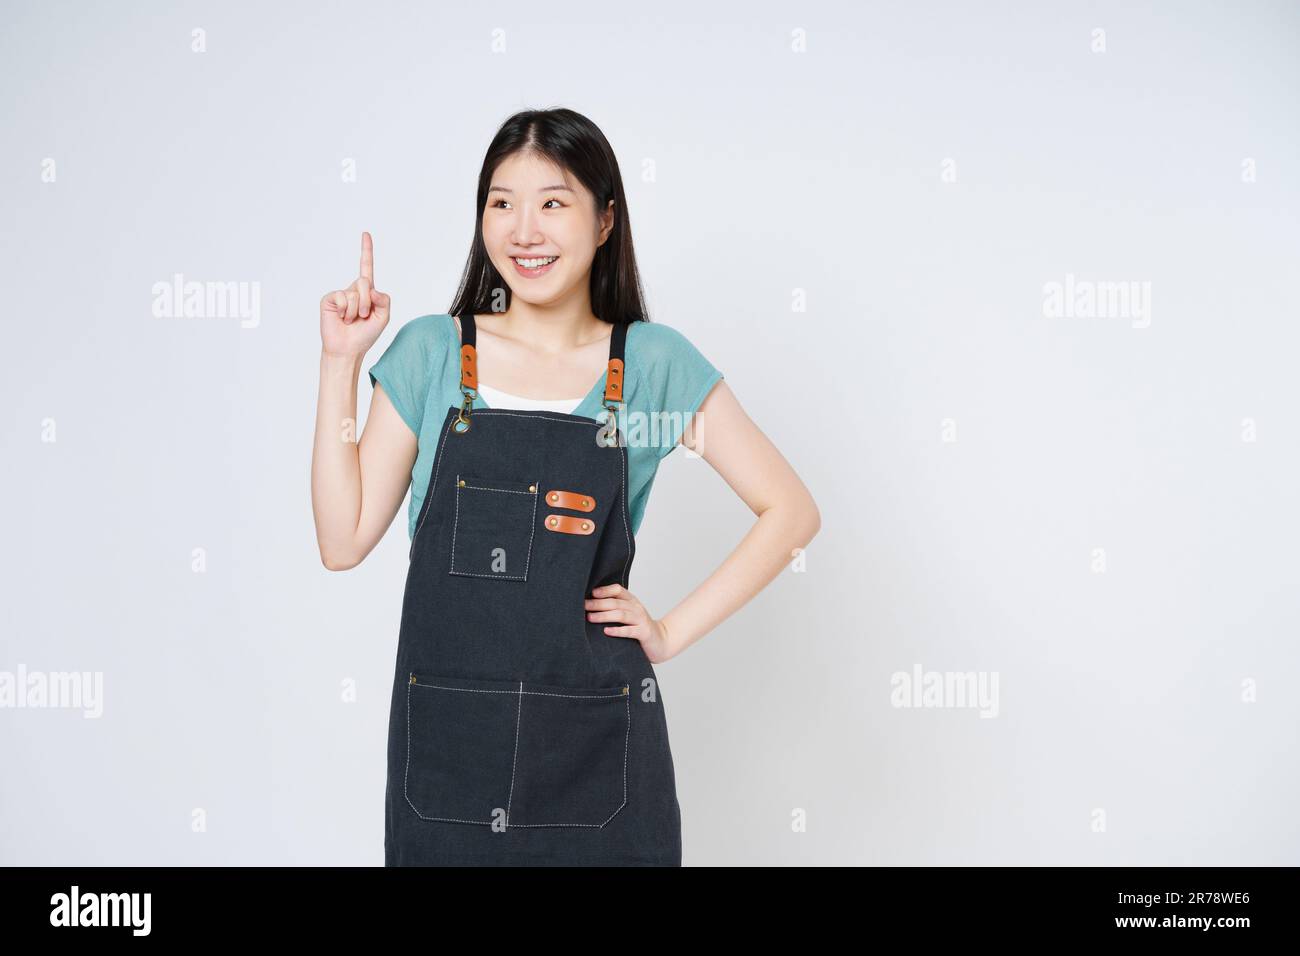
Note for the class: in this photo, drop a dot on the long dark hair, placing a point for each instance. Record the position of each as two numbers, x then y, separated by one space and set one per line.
576 144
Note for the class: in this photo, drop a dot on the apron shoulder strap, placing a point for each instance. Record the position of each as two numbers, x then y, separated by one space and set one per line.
468 353
614 370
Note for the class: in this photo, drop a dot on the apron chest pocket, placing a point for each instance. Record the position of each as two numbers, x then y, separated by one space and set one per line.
527 755
492 527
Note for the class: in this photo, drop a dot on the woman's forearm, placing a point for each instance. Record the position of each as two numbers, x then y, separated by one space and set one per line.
335 463
765 550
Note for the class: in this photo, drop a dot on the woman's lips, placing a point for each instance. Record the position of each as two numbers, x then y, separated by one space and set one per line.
534 273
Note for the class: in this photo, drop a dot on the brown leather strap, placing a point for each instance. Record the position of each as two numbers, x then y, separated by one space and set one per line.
571 499
614 370
468 353
614 381
569 524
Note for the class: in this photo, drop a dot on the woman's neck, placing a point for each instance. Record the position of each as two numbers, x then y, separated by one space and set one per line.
551 331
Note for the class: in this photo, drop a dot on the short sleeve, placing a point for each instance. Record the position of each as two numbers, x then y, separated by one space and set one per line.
405 368
682 378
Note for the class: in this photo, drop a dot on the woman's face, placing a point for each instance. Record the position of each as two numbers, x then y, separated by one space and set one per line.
535 212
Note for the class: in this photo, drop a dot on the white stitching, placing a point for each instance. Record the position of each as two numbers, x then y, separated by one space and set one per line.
406 778
627 734
626 737
532 530
455 523
623 474
549 416
514 762
428 504
534 693
493 577
504 491
567 419
531 534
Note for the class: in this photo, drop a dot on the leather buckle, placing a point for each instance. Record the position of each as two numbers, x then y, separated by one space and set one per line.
569 524
570 499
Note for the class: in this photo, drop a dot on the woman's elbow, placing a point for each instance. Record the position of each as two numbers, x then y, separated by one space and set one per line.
807 521
335 560
812 521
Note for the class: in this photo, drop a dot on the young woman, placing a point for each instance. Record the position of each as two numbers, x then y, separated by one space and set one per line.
526 722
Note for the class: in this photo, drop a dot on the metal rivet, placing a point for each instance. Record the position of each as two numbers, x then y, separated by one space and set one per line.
554 496
553 522
585 502
461 483
412 678
532 487
585 526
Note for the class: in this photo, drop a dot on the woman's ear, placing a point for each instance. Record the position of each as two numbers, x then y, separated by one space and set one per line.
606 223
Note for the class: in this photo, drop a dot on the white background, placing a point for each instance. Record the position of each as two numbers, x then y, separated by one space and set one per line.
1120 693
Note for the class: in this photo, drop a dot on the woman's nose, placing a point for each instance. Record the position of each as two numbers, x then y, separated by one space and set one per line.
525 231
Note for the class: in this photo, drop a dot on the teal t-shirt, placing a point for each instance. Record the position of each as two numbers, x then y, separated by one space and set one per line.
665 379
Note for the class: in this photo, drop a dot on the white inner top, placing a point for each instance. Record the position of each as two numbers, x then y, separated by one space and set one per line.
499 399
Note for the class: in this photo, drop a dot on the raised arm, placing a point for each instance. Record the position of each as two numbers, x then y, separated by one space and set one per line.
357 486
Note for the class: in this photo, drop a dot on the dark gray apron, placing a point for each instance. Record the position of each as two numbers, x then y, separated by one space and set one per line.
519 732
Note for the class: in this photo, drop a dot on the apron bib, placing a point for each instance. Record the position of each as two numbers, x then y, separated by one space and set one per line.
519 732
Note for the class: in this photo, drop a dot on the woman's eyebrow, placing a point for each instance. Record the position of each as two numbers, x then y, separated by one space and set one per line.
544 189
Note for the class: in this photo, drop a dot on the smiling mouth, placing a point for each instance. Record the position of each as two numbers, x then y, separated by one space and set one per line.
533 266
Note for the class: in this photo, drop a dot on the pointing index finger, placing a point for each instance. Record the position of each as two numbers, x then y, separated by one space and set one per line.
367 258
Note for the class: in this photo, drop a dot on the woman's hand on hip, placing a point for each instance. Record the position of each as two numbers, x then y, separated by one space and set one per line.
352 319
613 602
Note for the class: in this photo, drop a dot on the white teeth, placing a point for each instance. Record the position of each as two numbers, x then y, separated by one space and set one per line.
536 263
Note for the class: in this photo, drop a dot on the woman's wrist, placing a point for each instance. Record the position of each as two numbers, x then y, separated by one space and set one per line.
333 364
670 632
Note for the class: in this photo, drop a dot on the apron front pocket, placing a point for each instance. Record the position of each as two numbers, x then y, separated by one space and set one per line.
492 527
571 766
460 741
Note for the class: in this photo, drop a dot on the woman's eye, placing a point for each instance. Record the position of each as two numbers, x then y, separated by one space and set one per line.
497 203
